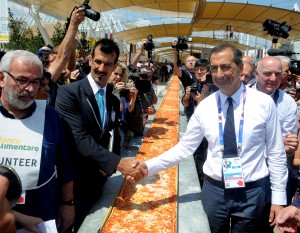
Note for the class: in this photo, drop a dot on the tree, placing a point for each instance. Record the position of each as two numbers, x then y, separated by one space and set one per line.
58 33
16 40
21 36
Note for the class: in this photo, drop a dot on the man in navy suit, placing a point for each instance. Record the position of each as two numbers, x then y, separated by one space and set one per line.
94 129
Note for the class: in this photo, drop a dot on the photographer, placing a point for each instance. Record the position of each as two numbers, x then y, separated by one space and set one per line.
61 59
186 74
137 118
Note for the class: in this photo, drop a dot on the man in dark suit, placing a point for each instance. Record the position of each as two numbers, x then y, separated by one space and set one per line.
94 129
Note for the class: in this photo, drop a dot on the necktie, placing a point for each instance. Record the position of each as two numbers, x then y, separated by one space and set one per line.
230 146
100 101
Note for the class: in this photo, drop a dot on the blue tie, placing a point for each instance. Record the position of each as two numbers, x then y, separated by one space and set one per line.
100 101
230 146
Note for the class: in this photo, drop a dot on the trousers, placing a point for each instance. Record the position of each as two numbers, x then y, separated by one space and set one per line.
233 210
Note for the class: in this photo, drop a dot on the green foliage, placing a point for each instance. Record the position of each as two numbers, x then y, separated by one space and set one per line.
58 33
84 43
22 37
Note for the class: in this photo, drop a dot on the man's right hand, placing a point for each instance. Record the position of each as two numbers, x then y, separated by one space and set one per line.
28 222
133 170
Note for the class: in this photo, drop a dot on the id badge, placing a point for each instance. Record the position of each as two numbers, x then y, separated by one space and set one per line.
233 172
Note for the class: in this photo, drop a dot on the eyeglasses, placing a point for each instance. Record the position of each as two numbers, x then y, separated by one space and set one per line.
223 67
25 82
201 69
98 63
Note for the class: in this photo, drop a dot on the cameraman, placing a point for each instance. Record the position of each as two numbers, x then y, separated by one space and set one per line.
186 74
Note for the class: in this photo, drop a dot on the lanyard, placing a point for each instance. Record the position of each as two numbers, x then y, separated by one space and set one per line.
221 135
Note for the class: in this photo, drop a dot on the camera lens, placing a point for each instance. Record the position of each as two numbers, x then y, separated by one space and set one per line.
94 15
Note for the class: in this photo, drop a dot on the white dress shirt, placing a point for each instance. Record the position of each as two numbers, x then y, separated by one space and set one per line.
287 111
261 140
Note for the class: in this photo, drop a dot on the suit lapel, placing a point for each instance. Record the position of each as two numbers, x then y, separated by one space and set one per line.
93 113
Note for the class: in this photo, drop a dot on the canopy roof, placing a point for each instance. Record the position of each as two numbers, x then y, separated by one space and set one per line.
201 16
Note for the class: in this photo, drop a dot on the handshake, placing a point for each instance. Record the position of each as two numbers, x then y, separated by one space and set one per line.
133 170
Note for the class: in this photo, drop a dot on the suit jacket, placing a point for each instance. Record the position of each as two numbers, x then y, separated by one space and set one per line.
78 107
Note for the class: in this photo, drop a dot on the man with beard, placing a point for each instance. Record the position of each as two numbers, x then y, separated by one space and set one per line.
91 110
33 143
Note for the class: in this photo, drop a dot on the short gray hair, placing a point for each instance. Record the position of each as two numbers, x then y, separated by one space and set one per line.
9 57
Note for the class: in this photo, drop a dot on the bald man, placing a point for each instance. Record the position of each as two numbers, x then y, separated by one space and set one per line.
269 76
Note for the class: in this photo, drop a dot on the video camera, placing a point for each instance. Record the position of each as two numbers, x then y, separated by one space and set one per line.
276 29
140 81
149 45
181 44
89 12
15 187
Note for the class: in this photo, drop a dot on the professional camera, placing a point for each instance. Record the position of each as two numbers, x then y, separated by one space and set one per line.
276 29
90 13
15 187
83 67
294 67
181 44
149 45
140 81
196 87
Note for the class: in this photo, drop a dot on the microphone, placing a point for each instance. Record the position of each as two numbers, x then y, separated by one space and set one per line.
280 52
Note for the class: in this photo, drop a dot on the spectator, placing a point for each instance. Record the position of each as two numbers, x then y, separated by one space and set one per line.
143 106
269 75
186 74
47 168
247 72
191 100
43 93
92 111
236 203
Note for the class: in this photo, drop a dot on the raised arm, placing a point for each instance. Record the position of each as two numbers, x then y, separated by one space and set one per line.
67 45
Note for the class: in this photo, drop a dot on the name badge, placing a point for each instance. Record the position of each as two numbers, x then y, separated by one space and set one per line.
233 173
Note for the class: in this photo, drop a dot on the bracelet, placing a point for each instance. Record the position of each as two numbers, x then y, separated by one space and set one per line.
70 202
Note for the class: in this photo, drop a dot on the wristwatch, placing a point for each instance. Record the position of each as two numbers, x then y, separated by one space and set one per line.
70 202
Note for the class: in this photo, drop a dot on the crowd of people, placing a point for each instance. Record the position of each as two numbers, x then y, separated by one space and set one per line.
72 115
